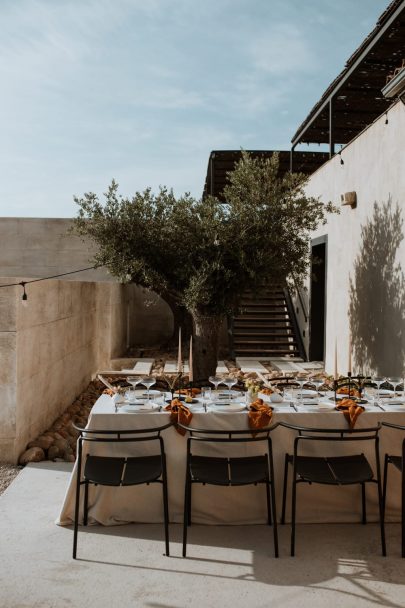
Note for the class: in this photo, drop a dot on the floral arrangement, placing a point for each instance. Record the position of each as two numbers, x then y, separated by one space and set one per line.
253 386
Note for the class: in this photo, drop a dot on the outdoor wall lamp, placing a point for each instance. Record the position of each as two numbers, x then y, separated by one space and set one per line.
395 88
349 198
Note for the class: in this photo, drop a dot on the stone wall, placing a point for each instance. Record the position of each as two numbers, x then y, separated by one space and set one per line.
49 350
366 250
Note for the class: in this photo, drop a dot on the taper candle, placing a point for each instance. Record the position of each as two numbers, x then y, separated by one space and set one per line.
179 360
336 375
349 367
190 361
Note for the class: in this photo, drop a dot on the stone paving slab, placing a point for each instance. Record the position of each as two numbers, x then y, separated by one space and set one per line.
250 365
172 367
222 368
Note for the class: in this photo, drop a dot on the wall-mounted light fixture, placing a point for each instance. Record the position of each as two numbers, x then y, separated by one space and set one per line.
395 87
349 198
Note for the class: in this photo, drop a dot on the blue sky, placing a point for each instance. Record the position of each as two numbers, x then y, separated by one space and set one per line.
143 90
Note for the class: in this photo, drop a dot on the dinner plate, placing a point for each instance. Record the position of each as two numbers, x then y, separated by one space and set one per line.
228 408
306 392
138 409
225 394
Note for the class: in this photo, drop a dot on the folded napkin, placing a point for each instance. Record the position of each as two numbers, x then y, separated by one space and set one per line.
179 413
351 410
260 414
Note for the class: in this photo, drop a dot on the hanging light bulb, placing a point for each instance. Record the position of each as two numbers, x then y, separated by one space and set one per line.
24 298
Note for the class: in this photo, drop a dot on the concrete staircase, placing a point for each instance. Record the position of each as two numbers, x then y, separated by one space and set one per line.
266 325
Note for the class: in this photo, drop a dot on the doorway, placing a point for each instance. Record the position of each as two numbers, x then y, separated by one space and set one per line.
317 314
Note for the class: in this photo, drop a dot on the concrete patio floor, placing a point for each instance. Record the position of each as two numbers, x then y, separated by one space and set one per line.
124 566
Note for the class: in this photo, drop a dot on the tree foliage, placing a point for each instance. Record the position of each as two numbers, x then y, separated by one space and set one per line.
204 253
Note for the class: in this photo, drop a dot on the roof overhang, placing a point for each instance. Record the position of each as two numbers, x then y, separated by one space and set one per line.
355 97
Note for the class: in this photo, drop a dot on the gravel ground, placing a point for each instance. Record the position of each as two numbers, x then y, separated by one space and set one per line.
7 473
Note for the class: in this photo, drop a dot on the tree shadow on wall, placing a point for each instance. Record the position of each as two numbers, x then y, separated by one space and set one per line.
377 294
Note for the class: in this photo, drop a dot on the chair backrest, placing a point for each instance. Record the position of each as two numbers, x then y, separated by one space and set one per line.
228 436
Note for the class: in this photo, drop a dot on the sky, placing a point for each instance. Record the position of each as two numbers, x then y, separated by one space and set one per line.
142 90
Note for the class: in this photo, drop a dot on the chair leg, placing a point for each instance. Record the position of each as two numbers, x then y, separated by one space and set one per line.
284 488
293 503
86 503
77 497
403 513
385 483
273 506
267 484
165 506
363 504
187 506
380 500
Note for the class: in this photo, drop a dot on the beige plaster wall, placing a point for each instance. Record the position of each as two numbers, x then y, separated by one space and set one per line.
50 349
367 250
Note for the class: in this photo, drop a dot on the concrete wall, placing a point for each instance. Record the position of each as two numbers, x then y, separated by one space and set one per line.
366 248
38 247
50 349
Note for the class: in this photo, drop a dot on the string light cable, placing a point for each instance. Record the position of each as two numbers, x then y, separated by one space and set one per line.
24 297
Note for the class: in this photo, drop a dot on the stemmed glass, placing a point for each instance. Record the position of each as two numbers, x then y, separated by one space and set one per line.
317 382
215 380
134 381
148 381
230 382
301 382
378 380
395 381
205 396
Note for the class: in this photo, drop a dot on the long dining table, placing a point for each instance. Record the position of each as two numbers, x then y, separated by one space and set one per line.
235 505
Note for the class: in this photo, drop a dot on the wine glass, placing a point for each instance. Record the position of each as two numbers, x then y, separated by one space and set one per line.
317 382
301 382
230 382
395 381
134 381
205 396
378 380
148 381
215 380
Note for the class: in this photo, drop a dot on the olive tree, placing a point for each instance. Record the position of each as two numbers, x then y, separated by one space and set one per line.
203 254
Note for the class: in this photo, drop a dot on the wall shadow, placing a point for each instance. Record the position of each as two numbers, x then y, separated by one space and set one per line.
377 294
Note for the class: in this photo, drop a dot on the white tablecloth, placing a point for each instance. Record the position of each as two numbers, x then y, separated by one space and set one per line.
236 505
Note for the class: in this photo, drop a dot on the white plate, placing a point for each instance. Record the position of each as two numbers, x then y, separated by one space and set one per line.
138 409
152 393
306 392
225 394
224 409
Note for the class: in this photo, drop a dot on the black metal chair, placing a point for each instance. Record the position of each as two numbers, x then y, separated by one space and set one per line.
224 471
119 471
398 462
336 471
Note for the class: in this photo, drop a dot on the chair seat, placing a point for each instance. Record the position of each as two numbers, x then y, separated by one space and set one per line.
341 470
396 461
110 471
228 471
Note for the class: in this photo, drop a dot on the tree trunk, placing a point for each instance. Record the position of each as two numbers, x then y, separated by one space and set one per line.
181 318
205 345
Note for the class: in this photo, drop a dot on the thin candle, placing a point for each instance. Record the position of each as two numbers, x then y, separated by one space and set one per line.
350 354
179 360
190 361
336 375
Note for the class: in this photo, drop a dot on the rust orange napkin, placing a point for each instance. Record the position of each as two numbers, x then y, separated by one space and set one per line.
351 410
179 413
260 414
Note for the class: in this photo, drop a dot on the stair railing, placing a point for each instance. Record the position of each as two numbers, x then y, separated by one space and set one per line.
293 317
301 300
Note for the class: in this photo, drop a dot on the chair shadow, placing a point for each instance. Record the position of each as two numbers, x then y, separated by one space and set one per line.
312 567
377 294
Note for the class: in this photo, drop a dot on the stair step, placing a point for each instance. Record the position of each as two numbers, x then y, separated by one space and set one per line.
262 308
267 334
269 305
264 342
257 316
257 323
265 351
